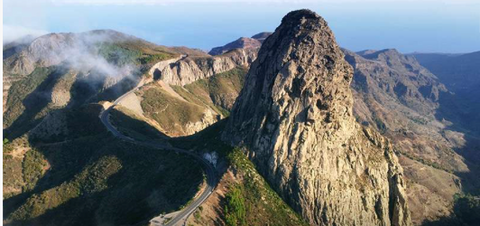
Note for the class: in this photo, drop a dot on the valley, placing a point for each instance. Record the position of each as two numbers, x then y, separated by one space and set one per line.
282 128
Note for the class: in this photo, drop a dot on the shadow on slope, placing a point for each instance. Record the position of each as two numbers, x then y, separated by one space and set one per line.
462 117
32 97
466 212
99 180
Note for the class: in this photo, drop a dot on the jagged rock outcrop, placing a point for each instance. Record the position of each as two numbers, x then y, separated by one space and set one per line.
191 69
294 118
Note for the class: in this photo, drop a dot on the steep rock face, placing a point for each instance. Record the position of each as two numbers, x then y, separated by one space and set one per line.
191 69
294 117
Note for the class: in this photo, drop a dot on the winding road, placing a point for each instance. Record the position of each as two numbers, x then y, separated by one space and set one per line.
181 216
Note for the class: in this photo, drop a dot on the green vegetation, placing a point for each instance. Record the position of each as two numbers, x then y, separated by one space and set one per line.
117 182
223 83
132 125
20 90
133 52
466 212
218 92
235 212
262 204
75 125
12 174
251 194
381 127
148 59
6 146
117 55
425 162
33 168
467 208
92 179
170 112
30 99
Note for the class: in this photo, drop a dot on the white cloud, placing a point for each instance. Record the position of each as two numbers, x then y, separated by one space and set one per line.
13 32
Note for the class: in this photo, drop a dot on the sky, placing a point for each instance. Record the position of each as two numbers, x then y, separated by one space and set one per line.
447 26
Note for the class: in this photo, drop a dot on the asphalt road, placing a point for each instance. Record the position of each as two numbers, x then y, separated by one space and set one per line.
182 216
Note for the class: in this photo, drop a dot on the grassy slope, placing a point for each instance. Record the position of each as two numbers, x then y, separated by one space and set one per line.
133 125
173 114
136 52
216 90
259 204
170 112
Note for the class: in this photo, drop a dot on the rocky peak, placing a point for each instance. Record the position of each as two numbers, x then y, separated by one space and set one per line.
262 36
241 43
294 119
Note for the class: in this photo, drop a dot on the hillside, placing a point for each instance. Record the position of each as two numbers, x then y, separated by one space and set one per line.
461 74
67 70
242 43
400 98
113 181
61 166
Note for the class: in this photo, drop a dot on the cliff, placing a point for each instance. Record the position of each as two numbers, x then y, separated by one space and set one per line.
295 120
191 69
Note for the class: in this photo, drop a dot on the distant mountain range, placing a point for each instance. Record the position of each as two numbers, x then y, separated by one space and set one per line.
242 43
339 135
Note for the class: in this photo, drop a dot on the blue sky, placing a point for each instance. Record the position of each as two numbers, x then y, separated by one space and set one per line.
407 25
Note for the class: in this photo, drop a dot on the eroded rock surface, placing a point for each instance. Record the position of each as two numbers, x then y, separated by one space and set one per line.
294 118
191 69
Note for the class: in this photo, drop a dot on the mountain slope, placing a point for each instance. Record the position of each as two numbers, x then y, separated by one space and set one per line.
294 118
461 74
67 70
400 98
242 43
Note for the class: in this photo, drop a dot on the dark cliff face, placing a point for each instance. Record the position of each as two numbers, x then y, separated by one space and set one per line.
294 119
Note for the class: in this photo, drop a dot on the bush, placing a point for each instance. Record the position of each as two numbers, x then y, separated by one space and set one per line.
235 210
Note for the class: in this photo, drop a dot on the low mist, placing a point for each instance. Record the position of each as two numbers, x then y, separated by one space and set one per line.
81 52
